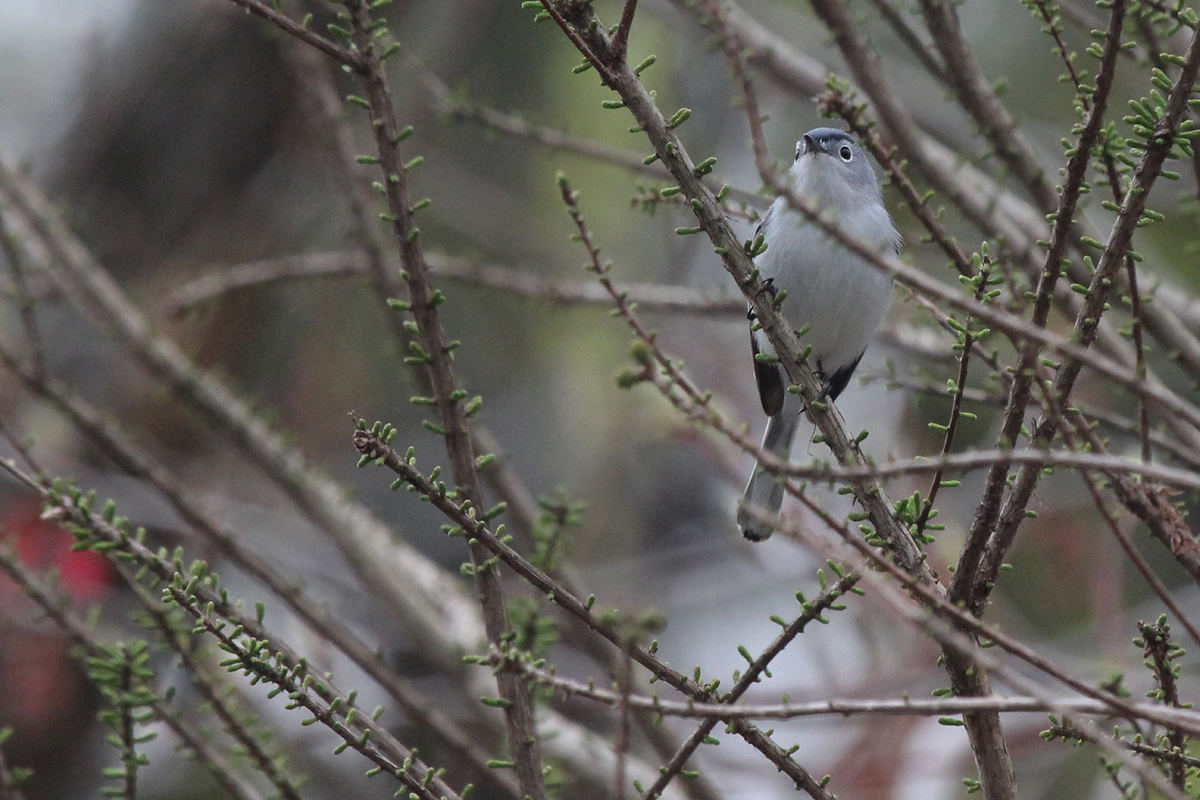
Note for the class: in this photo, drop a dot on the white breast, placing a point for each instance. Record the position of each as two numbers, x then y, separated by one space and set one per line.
840 296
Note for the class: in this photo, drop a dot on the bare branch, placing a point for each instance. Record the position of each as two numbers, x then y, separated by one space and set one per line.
300 31
840 707
648 296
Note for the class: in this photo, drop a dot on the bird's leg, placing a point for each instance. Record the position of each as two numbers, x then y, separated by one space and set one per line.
768 285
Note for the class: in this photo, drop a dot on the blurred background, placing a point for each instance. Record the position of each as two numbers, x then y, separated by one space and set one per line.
180 140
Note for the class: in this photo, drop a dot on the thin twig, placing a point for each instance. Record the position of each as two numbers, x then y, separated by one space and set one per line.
24 297
929 60
563 291
256 650
914 610
623 723
433 356
300 31
1114 254
620 41
375 450
446 102
57 611
964 362
847 707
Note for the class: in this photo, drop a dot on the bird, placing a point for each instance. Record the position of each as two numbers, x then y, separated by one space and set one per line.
838 295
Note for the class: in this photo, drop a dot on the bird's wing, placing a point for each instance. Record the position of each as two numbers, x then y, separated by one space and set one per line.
769 376
840 379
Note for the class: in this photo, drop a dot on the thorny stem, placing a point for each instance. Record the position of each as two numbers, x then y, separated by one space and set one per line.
1114 254
1158 648
129 457
836 707
373 448
434 354
869 563
965 577
212 693
129 754
269 657
55 609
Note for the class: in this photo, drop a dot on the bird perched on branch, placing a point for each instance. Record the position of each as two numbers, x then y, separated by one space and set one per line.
836 294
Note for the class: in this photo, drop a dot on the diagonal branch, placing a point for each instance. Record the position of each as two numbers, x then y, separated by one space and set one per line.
433 355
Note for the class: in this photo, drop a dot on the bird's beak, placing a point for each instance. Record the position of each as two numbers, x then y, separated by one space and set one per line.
811 145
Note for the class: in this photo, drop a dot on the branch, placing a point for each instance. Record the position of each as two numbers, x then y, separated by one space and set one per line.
445 102
712 221
300 31
108 437
621 38
1115 250
976 95
1019 393
565 291
433 356
56 610
845 708
444 619
915 611
374 449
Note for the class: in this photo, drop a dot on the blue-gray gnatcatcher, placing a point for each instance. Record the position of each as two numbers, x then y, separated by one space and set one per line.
836 293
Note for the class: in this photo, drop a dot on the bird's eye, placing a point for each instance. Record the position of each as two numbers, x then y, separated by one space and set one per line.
846 153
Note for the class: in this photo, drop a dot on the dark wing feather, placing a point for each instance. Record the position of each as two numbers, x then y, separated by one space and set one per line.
769 377
840 379
771 387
